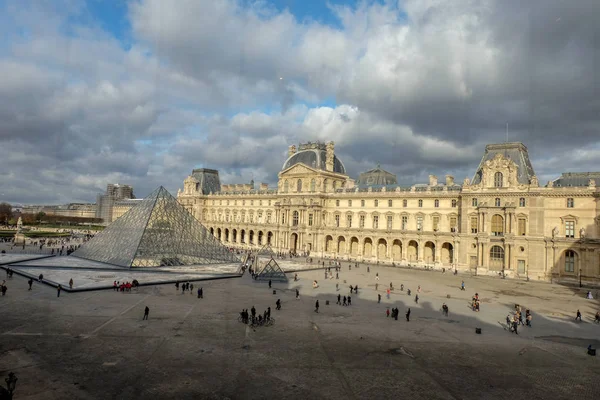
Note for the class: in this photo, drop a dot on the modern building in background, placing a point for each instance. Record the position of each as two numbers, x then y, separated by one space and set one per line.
79 210
105 202
501 221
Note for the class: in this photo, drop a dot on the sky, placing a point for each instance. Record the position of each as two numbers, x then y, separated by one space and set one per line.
141 92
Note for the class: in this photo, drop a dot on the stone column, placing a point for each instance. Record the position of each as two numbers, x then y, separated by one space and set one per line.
508 256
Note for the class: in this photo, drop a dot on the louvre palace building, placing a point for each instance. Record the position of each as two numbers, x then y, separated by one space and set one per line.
501 221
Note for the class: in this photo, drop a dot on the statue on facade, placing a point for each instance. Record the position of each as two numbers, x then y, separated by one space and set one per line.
19 225
534 181
466 182
582 233
555 232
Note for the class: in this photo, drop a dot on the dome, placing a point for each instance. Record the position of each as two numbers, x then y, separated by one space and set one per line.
377 177
314 158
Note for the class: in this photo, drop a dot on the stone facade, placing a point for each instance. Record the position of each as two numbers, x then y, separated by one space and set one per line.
501 221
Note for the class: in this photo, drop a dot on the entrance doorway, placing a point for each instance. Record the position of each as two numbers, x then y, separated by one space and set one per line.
521 267
293 242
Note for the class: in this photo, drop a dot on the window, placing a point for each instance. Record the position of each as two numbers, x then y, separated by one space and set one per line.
269 202
522 202
337 203
570 202
497 254
251 202
473 224
404 222
313 185
299 185
220 202
310 220
227 202
362 203
243 202
420 203
454 203
286 186
260 202
375 222
453 224
569 261
570 229
349 203
325 185
419 223
497 202
521 224
436 223
283 218
268 218
362 221
497 225
376 203
436 203
404 203
251 218
390 202
337 221
349 221
295 218
498 179
474 202
390 222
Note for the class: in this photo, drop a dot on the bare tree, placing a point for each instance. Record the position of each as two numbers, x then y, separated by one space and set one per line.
5 213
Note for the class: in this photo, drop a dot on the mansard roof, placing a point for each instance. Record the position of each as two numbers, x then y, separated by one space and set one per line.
514 151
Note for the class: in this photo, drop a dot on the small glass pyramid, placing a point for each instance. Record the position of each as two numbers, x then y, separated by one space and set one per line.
156 232
272 272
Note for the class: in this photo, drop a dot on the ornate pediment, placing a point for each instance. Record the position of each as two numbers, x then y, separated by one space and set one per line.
299 169
507 169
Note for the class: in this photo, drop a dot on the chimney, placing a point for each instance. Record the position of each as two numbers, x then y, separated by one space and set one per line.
329 156
449 180
433 180
264 186
291 150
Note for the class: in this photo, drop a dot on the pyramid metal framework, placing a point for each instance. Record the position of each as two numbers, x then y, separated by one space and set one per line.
266 250
156 232
272 272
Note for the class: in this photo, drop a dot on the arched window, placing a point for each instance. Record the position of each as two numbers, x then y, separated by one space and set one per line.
286 186
496 254
313 185
497 202
569 261
498 179
497 225
295 218
522 202
299 185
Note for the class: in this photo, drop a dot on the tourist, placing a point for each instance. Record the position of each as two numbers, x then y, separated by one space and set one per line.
317 306
339 301
30 283
408 315
597 319
378 298
388 293
146 312
297 294
589 295
349 301
462 285
445 309
376 286
3 288
115 286
58 289
528 318
578 317
417 299
515 324
253 311
387 312
192 288
377 276
402 287
278 304
41 278
71 283
419 289
269 310
344 303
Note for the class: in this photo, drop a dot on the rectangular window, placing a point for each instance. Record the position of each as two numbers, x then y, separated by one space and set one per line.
310 219
569 261
362 203
521 226
337 203
375 221
390 203
268 218
522 202
474 202
349 203
362 221
405 203
436 223
453 224
376 203
570 229
337 221
419 223
251 218
390 222
473 224
570 203
283 218
404 222
349 221
454 203
420 203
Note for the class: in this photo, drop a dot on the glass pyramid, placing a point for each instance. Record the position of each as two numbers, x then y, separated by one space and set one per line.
266 250
154 233
272 272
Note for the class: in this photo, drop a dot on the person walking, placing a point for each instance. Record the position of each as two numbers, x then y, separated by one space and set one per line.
339 300
378 298
58 289
462 285
297 294
578 317
387 313
269 284
278 304
377 275
317 306
30 282
71 283
146 312
408 315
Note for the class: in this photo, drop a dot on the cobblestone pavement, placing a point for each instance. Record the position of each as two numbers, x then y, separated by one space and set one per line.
94 345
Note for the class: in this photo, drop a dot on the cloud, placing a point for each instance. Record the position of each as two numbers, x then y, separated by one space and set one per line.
419 86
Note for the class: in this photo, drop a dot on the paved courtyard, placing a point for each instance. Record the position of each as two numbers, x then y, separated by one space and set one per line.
93 345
